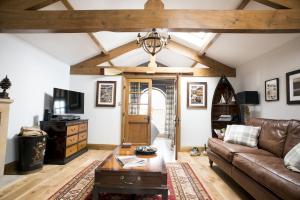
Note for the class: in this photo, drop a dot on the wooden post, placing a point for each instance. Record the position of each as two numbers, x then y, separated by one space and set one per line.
4 112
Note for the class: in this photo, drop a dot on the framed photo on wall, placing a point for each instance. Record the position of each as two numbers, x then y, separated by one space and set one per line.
293 87
197 95
106 94
272 90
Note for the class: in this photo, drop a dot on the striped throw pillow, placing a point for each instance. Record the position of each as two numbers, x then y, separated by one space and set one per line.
243 135
292 159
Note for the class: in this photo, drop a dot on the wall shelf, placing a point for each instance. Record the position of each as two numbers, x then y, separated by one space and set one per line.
224 103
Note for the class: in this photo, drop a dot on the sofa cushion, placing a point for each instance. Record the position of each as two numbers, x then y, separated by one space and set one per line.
273 135
243 135
292 159
270 172
256 122
227 150
293 136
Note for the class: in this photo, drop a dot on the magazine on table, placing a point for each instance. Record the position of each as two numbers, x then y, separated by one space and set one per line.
131 161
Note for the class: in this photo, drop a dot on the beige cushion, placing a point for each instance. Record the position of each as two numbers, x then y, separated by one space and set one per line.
243 135
292 159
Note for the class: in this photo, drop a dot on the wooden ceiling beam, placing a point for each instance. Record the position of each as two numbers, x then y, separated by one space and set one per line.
97 43
281 4
111 64
154 5
102 58
151 70
87 71
91 35
25 4
194 64
173 46
204 72
192 54
241 6
207 72
218 21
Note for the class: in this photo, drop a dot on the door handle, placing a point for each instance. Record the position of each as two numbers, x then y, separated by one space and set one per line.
177 120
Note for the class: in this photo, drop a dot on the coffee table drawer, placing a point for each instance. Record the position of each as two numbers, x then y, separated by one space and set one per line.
130 180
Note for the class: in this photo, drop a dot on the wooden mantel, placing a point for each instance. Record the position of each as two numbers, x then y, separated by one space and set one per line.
4 113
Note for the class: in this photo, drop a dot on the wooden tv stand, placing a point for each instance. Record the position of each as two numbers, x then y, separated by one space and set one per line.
66 140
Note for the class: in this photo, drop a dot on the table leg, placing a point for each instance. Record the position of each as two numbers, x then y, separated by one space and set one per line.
165 195
95 193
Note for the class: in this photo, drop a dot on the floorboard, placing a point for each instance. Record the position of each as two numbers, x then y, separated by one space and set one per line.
42 184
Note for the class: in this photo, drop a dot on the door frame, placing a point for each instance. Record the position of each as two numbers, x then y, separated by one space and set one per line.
177 79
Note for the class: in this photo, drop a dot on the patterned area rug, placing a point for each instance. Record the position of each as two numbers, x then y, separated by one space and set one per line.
182 183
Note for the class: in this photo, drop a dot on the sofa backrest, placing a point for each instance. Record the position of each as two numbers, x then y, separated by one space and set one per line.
293 136
273 134
256 122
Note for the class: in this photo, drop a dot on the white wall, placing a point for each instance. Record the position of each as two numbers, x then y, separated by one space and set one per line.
33 74
274 64
104 122
196 123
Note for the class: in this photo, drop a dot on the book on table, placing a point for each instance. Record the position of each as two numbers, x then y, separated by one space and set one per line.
226 118
131 161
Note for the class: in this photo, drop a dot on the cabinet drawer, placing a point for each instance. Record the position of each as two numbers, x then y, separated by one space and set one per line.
81 145
83 127
82 136
71 150
71 130
72 140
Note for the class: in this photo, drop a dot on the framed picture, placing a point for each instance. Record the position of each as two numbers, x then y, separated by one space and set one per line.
272 90
197 95
106 94
293 87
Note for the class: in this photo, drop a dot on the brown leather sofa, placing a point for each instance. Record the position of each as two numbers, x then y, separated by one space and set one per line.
261 171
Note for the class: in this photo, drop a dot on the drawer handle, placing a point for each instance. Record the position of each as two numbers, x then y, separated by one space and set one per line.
122 178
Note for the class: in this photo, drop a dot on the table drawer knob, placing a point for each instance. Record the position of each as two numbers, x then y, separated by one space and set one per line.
123 180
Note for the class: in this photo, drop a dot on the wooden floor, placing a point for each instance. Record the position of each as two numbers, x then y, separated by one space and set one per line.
164 147
44 183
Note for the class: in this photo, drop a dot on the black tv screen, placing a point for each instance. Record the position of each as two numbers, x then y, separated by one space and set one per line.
67 102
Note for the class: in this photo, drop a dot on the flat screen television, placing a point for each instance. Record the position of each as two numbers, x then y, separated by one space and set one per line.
67 102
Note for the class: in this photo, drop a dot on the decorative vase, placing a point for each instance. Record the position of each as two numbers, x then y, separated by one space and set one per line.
5 84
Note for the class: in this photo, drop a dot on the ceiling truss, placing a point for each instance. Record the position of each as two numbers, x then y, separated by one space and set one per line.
91 35
25 4
242 5
217 21
173 46
281 4
16 17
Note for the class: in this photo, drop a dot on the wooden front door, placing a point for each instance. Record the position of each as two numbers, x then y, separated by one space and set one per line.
138 111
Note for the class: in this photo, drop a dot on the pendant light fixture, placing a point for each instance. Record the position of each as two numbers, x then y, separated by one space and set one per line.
152 42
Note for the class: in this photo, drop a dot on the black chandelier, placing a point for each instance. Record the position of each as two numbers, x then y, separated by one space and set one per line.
152 42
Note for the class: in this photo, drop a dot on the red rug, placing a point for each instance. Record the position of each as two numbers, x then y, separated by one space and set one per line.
182 184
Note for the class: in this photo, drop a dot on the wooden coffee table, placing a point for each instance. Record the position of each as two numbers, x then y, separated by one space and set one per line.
111 177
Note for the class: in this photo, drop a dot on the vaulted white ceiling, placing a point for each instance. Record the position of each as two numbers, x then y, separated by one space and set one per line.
231 49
